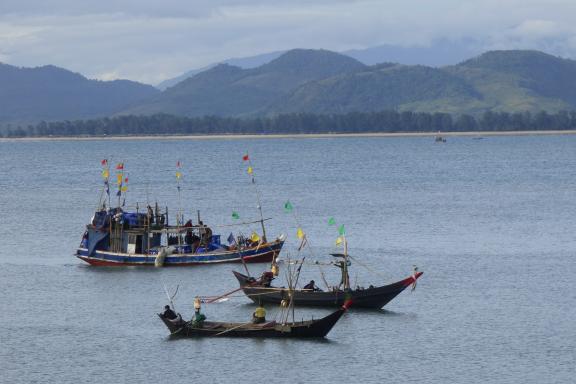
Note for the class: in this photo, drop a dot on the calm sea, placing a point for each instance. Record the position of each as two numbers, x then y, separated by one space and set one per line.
490 222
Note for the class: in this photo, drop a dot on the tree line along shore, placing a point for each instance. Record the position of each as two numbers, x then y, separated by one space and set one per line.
298 123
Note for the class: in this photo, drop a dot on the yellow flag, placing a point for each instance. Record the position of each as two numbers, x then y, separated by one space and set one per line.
119 179
250 170
255 237
178 175
300 233
124 188
105 174
338 240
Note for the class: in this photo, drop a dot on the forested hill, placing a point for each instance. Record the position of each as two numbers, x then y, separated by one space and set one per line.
227 90
301 81
52 93
315 81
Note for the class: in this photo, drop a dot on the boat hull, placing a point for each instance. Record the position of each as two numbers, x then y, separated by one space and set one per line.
374 298
264 253
305 329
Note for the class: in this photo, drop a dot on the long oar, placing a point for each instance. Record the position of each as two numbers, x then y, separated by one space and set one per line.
231 329
231 292
222 296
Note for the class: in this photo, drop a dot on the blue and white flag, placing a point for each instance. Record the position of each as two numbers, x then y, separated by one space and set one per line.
231 239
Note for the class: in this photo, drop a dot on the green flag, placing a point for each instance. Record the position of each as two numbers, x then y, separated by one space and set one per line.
341 230
288 207
331 221
235 215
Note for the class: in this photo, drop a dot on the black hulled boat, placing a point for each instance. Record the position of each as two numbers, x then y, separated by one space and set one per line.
374 297
303 329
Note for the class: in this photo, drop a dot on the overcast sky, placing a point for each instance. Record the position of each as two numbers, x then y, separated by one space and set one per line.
151 40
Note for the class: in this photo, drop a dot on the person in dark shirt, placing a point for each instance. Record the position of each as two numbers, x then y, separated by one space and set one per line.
266 278
169 313
311 285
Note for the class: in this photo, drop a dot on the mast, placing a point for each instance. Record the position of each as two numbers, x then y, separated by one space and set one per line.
180 214
346 279
251 173
106 186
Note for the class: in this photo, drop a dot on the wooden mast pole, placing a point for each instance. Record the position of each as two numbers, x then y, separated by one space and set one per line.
257 199
345 266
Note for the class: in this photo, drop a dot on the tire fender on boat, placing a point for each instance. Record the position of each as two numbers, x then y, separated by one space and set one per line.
161 257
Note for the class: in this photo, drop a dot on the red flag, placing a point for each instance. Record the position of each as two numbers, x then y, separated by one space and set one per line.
245 158
120 166
126 180
178 164
104 162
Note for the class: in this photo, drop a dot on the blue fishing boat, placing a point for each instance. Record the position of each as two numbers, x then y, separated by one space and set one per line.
135 237
120 238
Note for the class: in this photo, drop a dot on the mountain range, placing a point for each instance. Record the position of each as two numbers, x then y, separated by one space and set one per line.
29 95
300 80
439 52
319 81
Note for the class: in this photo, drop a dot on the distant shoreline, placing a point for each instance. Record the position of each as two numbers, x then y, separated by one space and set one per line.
292 136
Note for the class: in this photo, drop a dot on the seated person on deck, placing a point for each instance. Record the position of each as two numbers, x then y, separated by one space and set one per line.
266 278
198 319
169 313
259 315
312 286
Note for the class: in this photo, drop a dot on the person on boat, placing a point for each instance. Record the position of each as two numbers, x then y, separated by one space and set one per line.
169 313
345 279
275 269
150 215
266 278
198 319
259 315
205 234
312 286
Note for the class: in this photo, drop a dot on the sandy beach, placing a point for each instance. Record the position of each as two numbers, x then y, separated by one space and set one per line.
295 136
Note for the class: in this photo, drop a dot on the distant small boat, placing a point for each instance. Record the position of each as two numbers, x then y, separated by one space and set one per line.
302 329
439 138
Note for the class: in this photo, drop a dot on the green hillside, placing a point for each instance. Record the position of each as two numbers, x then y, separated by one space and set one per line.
379 88
52 93
310 81
318 81
226 90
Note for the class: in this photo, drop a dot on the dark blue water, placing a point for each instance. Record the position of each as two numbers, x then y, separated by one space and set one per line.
490 222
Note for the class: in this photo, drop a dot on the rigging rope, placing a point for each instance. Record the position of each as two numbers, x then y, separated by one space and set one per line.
368 268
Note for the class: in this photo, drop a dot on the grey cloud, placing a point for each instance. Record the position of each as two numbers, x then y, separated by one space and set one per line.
151 40
151 8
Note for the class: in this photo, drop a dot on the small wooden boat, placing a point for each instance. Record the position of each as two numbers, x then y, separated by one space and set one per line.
303 329
439 139
372 297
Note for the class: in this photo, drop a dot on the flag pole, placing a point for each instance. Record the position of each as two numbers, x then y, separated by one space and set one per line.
257 196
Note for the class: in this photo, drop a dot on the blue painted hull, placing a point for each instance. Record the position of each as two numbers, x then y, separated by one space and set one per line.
264 253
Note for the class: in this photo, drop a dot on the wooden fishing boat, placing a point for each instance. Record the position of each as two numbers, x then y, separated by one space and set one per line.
314 328
144 237
118 238
261 290
372 297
